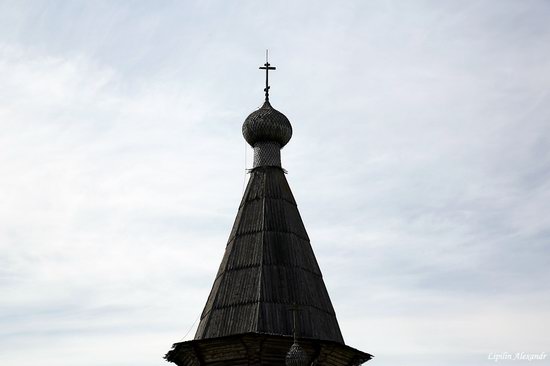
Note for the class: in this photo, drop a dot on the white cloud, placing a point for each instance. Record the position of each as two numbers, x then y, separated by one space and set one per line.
419 162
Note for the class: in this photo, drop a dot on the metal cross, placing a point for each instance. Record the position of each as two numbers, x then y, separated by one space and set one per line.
267 67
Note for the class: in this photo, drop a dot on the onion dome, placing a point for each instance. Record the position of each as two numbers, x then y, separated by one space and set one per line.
267 125
296 356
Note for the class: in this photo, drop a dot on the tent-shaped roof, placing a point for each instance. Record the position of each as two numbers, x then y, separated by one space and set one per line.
268 266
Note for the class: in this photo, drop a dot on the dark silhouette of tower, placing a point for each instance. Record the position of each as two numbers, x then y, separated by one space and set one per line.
269 304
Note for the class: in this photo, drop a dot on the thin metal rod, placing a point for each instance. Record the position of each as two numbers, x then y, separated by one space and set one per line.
295 308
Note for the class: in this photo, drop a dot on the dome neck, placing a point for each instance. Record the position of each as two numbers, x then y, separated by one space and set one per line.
267 154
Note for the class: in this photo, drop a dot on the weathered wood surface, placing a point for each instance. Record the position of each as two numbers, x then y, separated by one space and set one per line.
252 349
268 266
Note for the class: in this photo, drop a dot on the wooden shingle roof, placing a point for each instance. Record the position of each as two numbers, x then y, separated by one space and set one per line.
254 349
268 266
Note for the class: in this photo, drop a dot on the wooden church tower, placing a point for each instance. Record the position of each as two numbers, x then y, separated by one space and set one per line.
269 304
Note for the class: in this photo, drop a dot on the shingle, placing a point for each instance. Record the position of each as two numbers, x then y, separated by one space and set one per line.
268 266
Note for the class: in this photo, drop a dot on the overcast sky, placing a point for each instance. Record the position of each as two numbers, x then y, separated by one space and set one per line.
420 162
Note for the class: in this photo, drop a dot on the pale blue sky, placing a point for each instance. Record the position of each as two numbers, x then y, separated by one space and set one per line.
420 162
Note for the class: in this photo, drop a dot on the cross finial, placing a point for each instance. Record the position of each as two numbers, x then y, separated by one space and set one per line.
267 67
